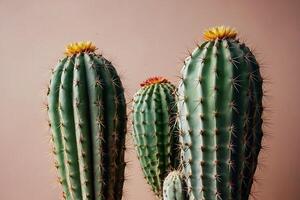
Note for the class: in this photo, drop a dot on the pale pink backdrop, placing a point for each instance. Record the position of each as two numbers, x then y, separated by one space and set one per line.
142 38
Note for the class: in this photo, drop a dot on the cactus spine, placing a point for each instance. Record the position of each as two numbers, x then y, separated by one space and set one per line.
220 111
154 132
87 114
172 188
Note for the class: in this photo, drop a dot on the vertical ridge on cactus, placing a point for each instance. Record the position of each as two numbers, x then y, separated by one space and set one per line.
155 133
87 113
220 110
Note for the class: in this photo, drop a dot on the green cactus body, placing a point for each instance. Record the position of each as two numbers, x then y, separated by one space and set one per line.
220 115
154 131
172 188
87 114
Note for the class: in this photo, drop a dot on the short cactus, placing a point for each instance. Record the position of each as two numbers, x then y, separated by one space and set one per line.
154 131
87 114
172 188
220 116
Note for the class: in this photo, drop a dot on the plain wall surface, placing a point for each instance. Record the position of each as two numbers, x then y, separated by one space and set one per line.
142 38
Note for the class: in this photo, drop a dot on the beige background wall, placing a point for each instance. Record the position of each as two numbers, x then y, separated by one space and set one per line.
142 38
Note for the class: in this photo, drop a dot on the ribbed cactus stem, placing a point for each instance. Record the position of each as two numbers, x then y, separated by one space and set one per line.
87 113
155 133
172 188
220 111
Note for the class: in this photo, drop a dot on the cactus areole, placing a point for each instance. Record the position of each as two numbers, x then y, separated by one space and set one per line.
87 115
220 116
154 131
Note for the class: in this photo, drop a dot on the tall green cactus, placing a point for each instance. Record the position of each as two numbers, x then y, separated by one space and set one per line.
154 131
220 112
87 114
172 188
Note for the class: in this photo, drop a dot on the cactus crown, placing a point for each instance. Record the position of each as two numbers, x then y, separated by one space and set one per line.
154 80
79 47
219 32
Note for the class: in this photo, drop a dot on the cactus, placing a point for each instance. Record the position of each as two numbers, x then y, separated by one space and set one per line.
172 188
154 131
87 115
220 116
